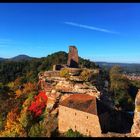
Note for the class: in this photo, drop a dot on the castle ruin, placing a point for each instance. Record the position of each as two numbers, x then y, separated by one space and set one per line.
72 57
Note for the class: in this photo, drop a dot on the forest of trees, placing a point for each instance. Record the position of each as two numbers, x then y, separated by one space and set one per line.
122 90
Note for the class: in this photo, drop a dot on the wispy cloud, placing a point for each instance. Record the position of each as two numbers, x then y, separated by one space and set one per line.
7 43
4 41
91 27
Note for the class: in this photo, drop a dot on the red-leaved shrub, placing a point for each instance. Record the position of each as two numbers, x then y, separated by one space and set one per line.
39 104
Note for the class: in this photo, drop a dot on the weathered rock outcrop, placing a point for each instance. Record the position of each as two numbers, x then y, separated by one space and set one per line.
135 131
58 87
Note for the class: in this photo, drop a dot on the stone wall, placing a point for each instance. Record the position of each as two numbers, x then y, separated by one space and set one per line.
85 123
51 73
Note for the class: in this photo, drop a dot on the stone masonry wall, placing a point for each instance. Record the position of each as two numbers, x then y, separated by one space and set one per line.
85 123
72 57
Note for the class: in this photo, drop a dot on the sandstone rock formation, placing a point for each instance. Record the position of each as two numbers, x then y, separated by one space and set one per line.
72 57
58 88
135 131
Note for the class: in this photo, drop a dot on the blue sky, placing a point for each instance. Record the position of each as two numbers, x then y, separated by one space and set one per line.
101 32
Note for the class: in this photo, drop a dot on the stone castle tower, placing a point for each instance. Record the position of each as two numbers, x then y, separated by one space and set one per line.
73 57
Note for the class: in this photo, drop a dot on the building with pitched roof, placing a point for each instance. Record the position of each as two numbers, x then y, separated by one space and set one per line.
79 113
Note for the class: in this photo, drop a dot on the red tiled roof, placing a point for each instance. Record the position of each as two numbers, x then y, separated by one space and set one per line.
82 102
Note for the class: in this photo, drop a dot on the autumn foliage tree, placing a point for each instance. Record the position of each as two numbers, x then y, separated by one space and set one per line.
26 88
12 127
37 107
119 87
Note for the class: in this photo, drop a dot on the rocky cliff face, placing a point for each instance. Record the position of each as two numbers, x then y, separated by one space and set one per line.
59 87
135 131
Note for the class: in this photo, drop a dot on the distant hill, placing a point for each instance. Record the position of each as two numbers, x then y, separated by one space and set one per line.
1 59
18 58
21 57
128 67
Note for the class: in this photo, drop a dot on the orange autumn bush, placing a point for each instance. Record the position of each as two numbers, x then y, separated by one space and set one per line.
29 87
